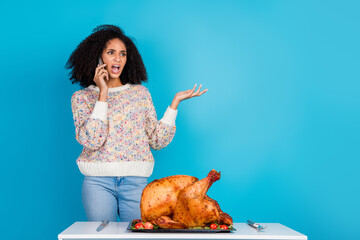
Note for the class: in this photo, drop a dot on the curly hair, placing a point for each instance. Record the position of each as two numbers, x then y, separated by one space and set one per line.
84 58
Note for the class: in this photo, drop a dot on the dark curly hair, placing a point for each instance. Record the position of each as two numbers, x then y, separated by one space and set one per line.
84 59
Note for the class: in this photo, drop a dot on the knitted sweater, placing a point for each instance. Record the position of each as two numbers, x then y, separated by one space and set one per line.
117 135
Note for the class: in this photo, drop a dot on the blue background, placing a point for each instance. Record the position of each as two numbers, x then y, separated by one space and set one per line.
280 119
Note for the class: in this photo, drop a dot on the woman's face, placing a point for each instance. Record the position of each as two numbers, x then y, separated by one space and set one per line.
114 56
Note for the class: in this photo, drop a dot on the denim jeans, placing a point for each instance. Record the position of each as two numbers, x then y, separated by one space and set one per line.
108 197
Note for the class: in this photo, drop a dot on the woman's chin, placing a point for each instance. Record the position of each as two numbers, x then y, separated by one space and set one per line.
113 75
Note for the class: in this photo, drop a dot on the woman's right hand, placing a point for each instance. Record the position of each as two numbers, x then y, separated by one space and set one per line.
99 78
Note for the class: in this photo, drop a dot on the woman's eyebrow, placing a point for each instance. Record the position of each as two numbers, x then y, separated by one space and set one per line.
115 50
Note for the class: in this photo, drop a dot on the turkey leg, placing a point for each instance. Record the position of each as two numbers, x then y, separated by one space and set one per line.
200 188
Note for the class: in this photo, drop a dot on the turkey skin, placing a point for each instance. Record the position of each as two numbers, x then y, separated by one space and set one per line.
180 201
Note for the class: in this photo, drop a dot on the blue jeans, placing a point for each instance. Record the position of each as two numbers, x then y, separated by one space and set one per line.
108 197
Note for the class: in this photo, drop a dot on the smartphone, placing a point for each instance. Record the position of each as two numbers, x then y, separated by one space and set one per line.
100 61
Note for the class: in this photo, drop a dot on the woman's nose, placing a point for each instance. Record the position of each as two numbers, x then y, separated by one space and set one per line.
117 58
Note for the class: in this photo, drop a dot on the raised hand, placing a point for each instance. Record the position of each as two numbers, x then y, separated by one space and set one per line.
101 75
180 96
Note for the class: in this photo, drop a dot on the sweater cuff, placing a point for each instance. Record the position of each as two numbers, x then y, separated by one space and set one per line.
169 116
100 110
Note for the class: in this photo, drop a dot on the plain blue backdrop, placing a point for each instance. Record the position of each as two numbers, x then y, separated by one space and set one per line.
280 120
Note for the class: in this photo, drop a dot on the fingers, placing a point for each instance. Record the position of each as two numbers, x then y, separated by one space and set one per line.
104 74
102 71
101 77
99 67
197 93
193 89
202 92
191 92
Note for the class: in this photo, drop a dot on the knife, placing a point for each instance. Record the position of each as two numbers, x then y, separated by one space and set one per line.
102 225
255 225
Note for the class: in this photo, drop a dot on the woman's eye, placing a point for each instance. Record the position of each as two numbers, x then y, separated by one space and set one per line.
111 53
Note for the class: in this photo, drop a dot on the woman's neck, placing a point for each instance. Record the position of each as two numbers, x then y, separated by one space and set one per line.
114 82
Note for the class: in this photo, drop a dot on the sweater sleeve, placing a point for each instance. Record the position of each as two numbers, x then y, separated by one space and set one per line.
91 126
161 132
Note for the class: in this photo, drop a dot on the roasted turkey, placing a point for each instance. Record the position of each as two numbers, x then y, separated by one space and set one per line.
180 201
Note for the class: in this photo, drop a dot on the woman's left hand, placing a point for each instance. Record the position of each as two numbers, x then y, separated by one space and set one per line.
180 96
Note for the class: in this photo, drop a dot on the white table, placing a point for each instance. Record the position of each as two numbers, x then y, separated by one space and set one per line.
118 230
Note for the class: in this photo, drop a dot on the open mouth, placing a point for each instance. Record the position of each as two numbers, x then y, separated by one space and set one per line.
115 69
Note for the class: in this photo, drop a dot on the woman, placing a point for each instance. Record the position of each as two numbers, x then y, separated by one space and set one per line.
116 123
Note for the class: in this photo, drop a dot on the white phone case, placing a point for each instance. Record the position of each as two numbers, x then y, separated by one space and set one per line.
100 61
